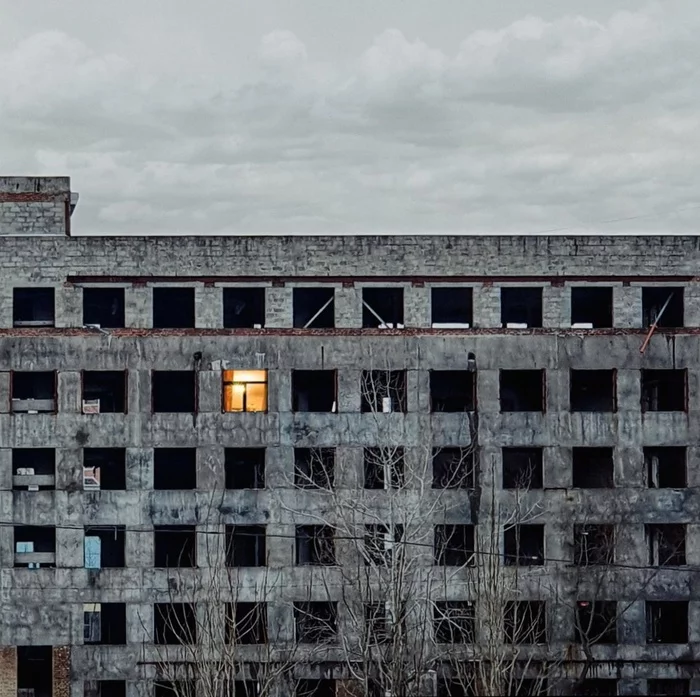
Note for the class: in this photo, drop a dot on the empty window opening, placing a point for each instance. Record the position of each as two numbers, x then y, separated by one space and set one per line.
104 623
521 307
313 308
175 468
177 688
462 685
104 307
245 545
175 546
653 302
667 622
665 467
316 622
381 542
665 390
451 308
244 308
104 547
453 622
593 468
524 545
325 687
594 544
104 688
173 391
315 545
384 467
314 468
593 390
452 390
383 391
34 671
382 308
522 390
104 468
673 687
596 622
453 468
597 687
591 307
247 688
35 546
33 307
454 545
246 623
666 544
522 468
244 468
314 390
173 308
174 623
104 391
525 622
34 392
245 390
33 469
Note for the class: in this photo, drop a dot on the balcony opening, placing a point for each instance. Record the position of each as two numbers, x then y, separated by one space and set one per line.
525 622
104 547
376 623
104 468
316 622
522 390
667 622
522 468
524 545
671 687
35 547
384 468
453 468
34 671
244 468
245 390
175 468
104 688
382 308
593 390
597 687
246 623
594 545
451 308
665 467
315 545
383 391
452 390
33 469
33 307
666 544
314 390
325 687
665 390
104 623
591 307
454 545
596 622
653 301
173 308
174 623
246 545
313 308
453 622
244 308
380 544
314 468
104 307
179 688
104 391
521 308
175 546
34 392
593 468
174 391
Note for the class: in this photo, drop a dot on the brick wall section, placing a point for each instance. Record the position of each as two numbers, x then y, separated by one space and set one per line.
8 671
34 205
61 671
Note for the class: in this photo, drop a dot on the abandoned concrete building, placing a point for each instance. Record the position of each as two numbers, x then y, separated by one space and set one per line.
163 399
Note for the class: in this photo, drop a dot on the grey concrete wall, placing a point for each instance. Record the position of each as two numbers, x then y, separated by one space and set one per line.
34 205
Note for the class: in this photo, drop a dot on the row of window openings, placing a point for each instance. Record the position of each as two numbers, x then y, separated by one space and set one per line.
314 308
175 391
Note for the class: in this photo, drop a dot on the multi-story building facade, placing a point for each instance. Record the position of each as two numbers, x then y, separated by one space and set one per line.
160 395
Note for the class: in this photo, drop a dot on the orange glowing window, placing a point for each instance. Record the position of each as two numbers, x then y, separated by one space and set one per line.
245 390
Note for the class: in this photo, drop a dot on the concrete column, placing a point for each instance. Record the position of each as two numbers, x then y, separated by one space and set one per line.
69 392
210 391
69 306
349 391
280 546
487 307
278 307
139 623
210 468
348 308
556 465
629 391
691 302
69 469
627 306
420 386
556 306
416 306
70 548
138 306
557 391
209 307
349 468
138 547
4 392
5 469
487 389
139 469
280 386
279 469
7 546
5 306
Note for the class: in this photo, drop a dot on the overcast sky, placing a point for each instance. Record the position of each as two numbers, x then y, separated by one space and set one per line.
372 116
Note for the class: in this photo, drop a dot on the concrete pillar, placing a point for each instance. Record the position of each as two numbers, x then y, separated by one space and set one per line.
556 465
138 306
209 307
138 547
210 391
69 469
70 548
416 306
487 307
627 306
69 306
349 391
210 468
348 308
280 386
5 306
139 469
556 306
278 307
280 546
349 468
557 391
691 302
5 469
69 392
279 469
4 392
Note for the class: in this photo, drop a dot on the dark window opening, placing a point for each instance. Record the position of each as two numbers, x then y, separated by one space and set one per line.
528 687
653 301
453 622
376 626
33 469
314 390
104 307
316 622
380 543
105 688
592 307
462 686
596 622
665 467
593 468
453 468
666 544
521 307
325 687
104 391
594 544
313 308
525 622
524 545
35 670
383 391
382 307
35 546
522 468
104 623
597 687
673 687
174 623
33 307
34 392
173 391
451 308
454 545
244 308
173 308
664 390
246 623
452 390
104 468
522 390
384 467
244 468
667 622
176 688
175 468
175 546
245 545
104 547
592 390
247 688
315 545
314 468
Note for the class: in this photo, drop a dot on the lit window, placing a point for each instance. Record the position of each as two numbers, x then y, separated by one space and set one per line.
245 390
